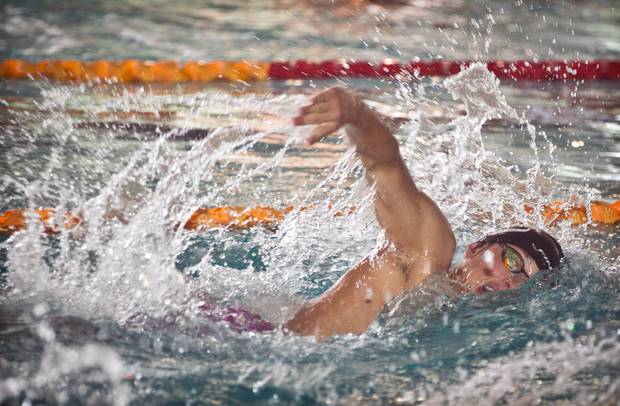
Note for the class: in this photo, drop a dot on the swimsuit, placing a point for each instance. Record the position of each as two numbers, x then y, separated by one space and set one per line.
238 319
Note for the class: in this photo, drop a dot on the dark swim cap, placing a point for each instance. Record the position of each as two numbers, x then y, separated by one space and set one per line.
543 248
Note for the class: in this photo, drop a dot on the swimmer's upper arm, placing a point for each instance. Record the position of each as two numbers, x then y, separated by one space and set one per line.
356 300
412 221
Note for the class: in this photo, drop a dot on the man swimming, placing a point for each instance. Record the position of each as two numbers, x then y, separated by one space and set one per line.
419 241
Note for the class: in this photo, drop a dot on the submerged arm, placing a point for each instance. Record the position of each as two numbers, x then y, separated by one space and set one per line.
419 238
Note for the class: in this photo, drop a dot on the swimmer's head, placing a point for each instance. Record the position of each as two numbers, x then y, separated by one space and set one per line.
506 260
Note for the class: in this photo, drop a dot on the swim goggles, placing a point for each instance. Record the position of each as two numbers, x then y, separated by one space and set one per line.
512 260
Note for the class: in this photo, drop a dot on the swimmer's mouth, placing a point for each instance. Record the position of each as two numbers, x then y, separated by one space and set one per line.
482 289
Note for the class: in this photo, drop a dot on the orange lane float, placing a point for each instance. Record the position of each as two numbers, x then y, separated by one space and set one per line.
239 218
576 213
134 71
15 220
167 71
236 217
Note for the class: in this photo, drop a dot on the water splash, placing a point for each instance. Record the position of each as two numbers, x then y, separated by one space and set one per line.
559 370
60 366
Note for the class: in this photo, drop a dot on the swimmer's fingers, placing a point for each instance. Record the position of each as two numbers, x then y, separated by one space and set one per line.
318 107
328 95
317 118
322 130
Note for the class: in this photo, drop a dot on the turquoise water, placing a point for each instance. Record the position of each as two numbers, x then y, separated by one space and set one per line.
65 299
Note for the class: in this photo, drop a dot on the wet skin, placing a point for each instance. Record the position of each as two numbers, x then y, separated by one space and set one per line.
483 270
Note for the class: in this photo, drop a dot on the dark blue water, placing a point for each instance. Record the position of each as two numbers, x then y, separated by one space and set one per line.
419 348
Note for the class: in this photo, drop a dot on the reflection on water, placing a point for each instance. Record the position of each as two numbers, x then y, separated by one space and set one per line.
270 30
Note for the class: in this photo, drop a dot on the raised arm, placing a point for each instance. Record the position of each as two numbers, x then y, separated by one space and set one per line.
419 238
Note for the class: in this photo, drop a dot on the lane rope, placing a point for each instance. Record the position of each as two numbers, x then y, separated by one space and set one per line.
241 218
136 71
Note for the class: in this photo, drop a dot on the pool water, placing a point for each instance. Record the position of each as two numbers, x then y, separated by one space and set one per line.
480 148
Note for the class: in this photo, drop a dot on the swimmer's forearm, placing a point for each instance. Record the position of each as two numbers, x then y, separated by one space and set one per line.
409 217
374 142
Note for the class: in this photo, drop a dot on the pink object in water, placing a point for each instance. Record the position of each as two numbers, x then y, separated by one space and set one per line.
239 320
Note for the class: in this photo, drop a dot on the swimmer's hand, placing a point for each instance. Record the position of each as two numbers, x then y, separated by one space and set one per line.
334 108
329 110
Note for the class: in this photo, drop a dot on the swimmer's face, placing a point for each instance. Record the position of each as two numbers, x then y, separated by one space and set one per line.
491 267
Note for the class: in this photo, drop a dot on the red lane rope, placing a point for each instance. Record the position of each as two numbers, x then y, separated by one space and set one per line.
506 70
134 71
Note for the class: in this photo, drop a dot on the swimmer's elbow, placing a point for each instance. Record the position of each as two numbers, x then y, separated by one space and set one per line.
305 321
447 250
439 240
444 244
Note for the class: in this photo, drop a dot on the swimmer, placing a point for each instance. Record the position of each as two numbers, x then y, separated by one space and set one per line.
419 240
